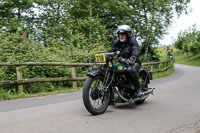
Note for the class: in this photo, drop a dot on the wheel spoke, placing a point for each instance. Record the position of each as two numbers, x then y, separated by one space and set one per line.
97 98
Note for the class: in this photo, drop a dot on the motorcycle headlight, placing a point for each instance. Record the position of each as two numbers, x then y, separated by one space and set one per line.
110 64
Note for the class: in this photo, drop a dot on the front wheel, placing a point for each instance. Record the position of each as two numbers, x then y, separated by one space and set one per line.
95 98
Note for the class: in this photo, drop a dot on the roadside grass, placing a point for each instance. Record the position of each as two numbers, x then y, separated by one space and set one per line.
10 96
180 57
190 59
164 73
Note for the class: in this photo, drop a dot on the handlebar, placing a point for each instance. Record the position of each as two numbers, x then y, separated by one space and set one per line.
113 53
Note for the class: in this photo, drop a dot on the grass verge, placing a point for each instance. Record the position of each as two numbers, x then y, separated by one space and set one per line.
164 73
190 59
10 96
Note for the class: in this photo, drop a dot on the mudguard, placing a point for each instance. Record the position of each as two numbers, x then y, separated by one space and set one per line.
143 73
95 72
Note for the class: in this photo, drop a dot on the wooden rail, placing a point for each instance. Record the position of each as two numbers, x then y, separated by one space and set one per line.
20 81
151 64
24 81
46 64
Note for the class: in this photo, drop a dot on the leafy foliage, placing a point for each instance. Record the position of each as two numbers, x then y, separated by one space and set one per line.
70 31
54 18
189 40
17 48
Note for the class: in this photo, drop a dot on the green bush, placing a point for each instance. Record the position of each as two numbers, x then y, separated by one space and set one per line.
189 41
17 48
194 47
151 56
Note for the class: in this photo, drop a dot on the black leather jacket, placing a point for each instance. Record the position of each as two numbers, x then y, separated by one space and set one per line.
127 49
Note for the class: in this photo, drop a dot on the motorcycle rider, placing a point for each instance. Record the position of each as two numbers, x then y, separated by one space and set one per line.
129 53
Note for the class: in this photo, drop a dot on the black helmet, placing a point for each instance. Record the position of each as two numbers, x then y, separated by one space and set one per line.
124 29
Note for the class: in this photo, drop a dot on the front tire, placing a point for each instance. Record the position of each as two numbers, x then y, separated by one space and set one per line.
96 100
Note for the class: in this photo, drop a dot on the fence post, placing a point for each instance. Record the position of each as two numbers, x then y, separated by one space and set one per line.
19 77
151 68
74 83
159 66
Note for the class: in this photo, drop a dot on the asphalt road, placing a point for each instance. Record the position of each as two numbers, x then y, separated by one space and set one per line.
174 108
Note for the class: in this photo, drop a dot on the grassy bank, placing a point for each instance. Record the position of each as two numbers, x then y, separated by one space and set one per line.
164 73
9 96
190 59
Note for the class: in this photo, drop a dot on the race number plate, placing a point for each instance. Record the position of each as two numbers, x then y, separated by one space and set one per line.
100 58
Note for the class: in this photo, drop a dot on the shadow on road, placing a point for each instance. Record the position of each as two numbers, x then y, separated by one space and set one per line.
130 105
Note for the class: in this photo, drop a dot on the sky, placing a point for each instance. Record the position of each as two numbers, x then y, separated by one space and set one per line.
183 23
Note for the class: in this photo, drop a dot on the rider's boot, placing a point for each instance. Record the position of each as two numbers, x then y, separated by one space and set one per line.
138 90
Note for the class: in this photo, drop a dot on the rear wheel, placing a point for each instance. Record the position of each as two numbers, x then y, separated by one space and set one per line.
95 99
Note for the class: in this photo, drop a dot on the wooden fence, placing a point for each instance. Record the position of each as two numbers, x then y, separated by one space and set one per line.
20 81
165 64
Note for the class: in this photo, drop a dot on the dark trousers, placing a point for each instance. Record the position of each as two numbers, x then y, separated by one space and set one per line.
132 72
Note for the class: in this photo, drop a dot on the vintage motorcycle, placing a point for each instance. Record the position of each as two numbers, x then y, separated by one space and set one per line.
107 85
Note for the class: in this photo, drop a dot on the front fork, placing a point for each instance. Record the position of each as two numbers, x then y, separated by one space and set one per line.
108 79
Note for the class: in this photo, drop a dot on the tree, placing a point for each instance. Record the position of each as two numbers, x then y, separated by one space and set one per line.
188 40
16 14
148 18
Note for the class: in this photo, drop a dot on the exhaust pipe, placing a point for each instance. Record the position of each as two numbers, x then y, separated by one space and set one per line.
144 95
125 99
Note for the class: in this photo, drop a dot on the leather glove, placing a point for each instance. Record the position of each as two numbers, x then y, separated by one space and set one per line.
122 60
132 60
